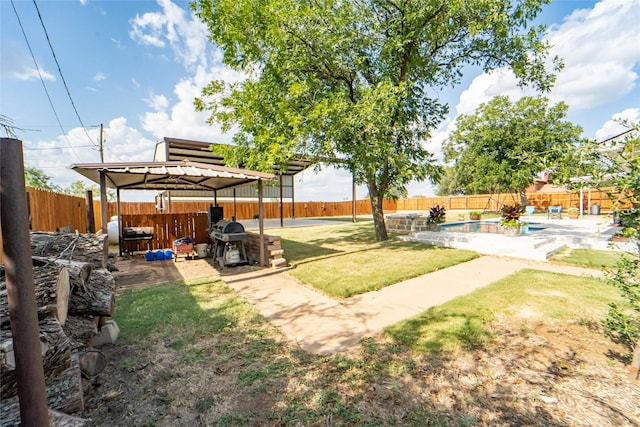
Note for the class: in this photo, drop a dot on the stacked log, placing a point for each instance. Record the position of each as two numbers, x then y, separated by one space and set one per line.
274 253
74 290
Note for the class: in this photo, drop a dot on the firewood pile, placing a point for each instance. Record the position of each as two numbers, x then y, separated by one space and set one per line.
75 291
272 248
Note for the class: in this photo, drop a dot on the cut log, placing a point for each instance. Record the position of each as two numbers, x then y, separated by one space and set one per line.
99 300
79 271
80 329
64 395
51 282
56 354
91 248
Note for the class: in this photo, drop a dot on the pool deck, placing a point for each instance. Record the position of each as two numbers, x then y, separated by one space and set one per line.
589 232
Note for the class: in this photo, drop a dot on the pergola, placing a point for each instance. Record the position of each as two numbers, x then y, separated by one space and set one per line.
171 175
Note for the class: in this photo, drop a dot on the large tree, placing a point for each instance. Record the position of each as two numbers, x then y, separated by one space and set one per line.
356 82
505 145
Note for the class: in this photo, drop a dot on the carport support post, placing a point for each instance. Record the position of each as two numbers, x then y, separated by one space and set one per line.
103 200
119 221
23 312
261 224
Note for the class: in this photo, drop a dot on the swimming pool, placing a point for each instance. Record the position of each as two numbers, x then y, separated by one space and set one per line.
486 227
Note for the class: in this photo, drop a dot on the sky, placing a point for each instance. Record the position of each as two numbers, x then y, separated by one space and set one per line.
136 67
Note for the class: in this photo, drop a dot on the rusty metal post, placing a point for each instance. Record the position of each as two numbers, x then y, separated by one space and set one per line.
91 221
16 254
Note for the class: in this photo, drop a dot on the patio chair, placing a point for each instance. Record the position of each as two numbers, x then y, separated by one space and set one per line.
554 212
530 210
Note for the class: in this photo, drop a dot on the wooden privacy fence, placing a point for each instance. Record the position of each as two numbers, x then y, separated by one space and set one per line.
247 210
167 228
493 202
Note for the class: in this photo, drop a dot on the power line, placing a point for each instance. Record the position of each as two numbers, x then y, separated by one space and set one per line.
58 148
64 82
55 113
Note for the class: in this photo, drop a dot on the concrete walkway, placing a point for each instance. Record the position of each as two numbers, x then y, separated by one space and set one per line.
321 325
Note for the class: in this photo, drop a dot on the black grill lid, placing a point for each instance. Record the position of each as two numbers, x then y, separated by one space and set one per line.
227 227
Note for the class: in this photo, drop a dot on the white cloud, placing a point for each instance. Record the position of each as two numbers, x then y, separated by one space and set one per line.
100 76
613 126
600 50
599 47
122 144
83 2
157 102
184 32
181 120
135 83
30 73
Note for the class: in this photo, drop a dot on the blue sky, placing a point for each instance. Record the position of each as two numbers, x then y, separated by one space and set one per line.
136 66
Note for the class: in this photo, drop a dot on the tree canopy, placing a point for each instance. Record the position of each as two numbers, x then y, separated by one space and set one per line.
36 178
356 83
505 145
78 188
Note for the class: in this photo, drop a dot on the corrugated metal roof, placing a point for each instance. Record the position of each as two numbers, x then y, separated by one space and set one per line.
174 175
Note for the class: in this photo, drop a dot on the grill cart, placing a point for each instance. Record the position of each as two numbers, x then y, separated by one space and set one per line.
228 243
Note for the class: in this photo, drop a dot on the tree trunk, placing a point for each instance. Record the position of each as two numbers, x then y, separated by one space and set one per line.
91 248
523 198
378 213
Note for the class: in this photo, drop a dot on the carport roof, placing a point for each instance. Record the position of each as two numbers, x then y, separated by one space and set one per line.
174 175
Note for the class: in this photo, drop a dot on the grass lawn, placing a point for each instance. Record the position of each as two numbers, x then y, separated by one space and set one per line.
588 257
195 353
344 259
524 296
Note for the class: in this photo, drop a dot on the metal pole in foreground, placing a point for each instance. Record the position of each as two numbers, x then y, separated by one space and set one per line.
14 220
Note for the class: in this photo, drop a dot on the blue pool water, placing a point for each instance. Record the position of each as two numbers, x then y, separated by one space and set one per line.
486 227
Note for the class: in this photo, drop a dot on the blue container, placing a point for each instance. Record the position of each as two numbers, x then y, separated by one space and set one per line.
168 254
159 255
150 256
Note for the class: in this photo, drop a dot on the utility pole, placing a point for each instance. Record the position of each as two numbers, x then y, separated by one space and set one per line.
101 144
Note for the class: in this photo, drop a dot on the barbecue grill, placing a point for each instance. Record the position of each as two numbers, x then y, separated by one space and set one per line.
137 234
229 238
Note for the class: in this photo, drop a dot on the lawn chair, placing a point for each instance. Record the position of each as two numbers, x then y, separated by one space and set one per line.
530 210
554 212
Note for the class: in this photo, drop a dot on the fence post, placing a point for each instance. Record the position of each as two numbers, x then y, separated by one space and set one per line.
23 314
91 222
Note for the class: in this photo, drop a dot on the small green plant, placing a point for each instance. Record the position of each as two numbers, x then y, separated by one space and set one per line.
474 213
623 325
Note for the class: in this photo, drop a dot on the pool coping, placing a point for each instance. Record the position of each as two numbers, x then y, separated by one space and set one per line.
588 233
